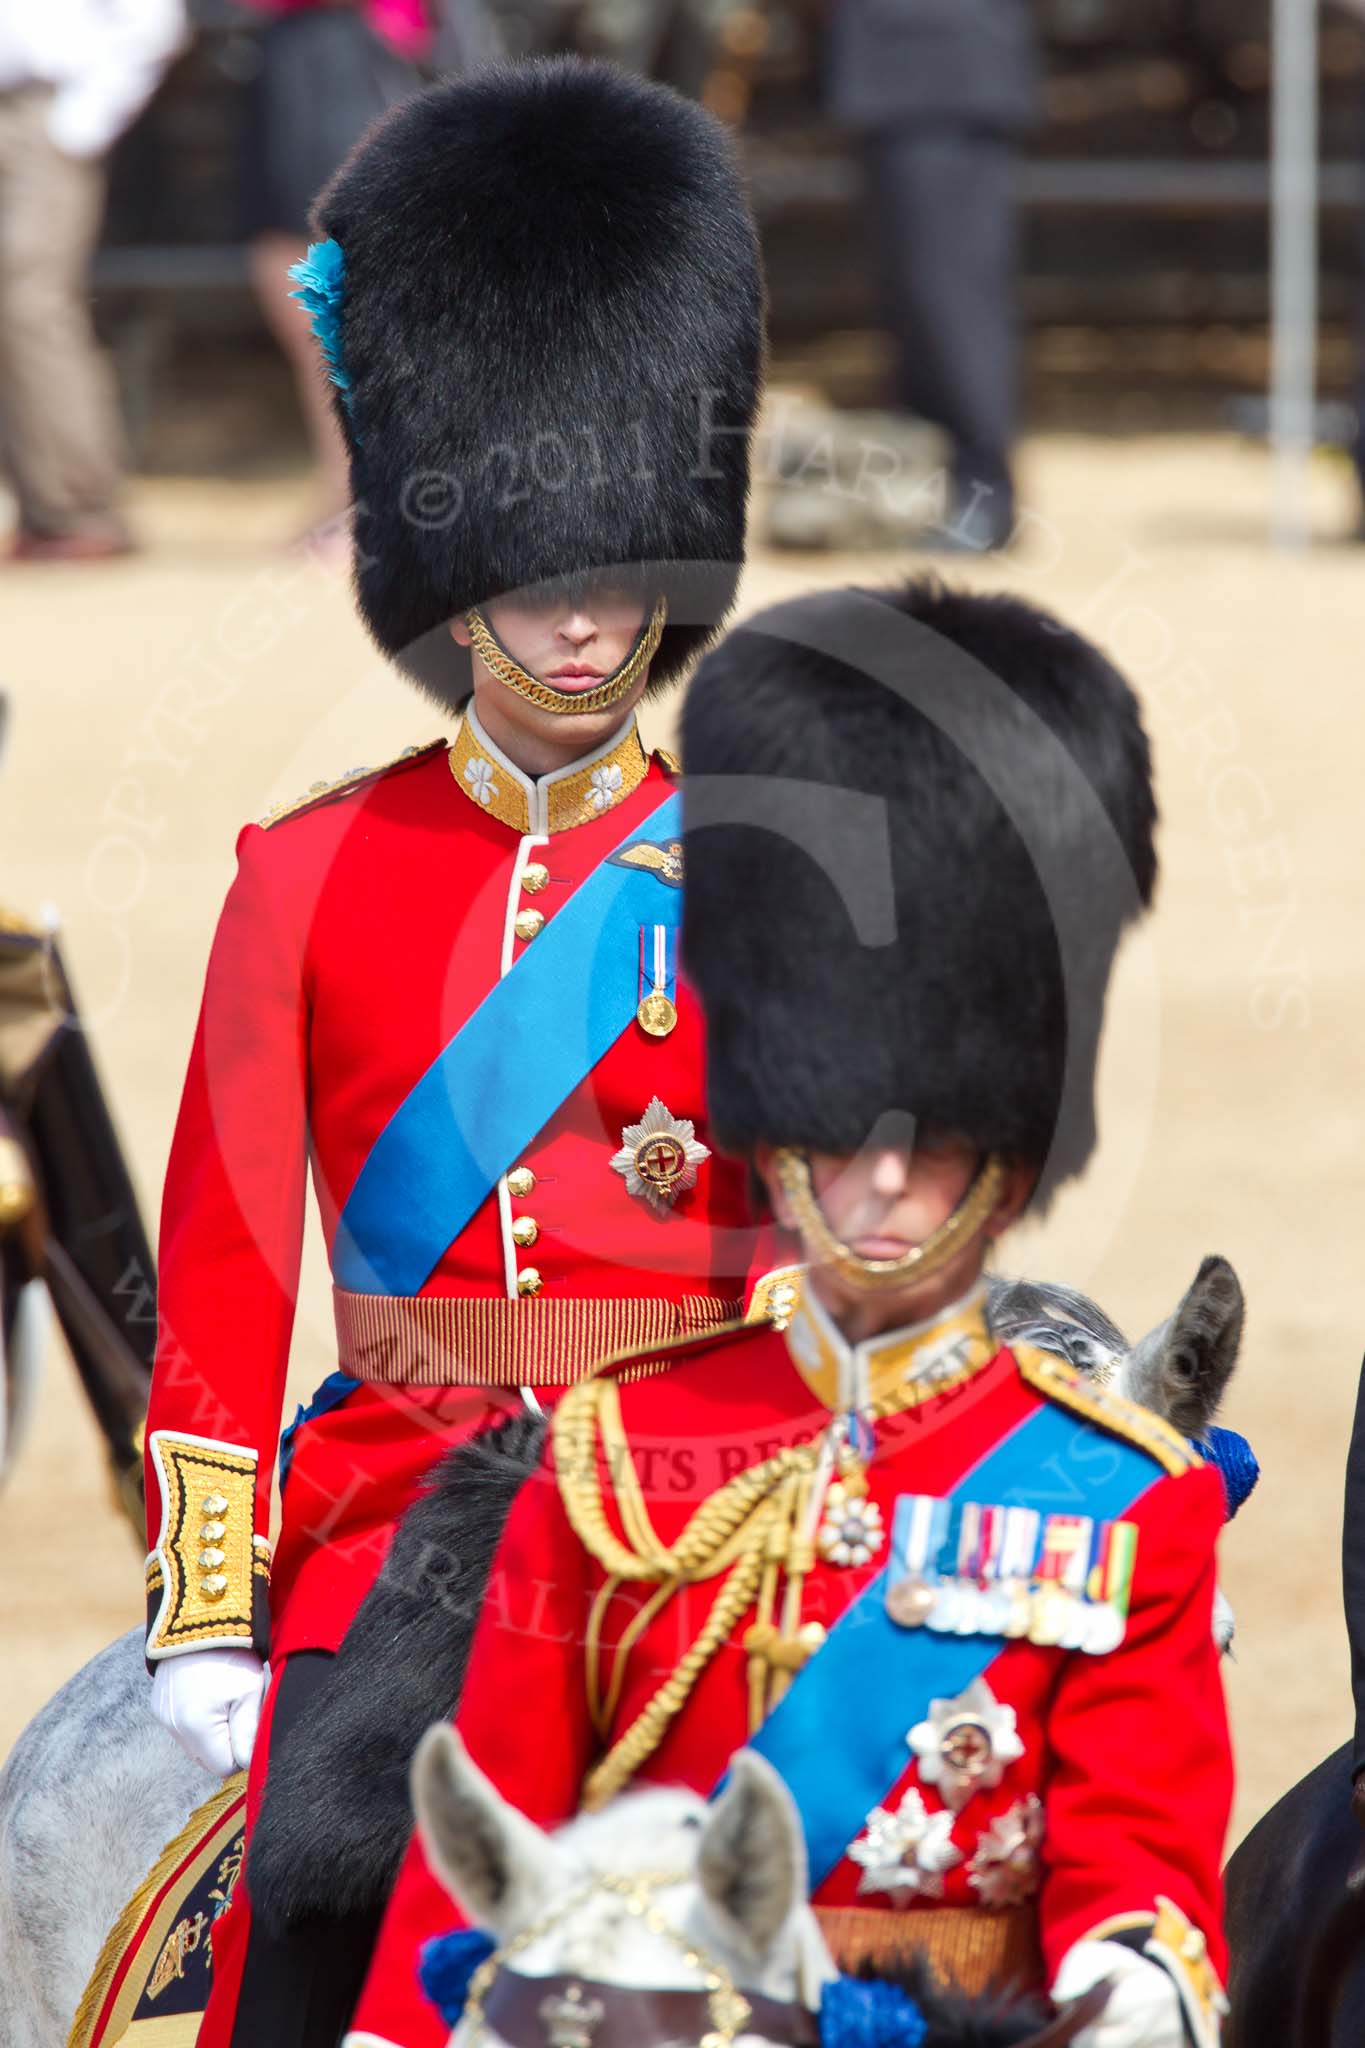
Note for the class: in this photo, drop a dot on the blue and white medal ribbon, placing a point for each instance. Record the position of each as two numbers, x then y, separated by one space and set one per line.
917 1533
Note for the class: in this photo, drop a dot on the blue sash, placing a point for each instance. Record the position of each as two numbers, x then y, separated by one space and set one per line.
534 1038
838 1736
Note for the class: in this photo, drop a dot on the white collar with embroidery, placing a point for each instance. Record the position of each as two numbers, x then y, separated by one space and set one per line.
574 795
933 1354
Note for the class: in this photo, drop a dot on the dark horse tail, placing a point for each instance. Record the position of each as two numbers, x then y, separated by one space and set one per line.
1340 1942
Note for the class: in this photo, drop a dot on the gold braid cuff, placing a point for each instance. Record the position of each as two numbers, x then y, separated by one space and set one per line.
1173 1941
971 1215
506 669
208 1576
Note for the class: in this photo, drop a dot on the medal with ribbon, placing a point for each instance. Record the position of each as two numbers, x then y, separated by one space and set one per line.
657 1012
968 1568
1110 1585
917 1532
1066 1538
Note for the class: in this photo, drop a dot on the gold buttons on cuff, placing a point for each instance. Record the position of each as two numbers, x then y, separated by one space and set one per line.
527 923
534 876
520 1181
528 1281
525 1231
211 1532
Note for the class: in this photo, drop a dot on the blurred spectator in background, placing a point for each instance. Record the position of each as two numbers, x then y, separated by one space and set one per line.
938 94
328 68
73 75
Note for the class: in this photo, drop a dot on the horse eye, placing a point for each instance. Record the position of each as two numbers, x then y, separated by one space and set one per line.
692 1820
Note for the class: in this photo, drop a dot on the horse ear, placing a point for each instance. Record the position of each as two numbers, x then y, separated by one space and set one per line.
500 1868
1182 1367
752 1861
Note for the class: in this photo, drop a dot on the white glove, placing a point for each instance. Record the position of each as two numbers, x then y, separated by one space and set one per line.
211 1702
1144 2005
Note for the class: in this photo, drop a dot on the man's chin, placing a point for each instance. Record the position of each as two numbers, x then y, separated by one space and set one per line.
588 728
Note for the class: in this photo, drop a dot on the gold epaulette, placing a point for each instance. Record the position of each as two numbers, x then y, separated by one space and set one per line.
670 763
776 1296
1063 1384
323 792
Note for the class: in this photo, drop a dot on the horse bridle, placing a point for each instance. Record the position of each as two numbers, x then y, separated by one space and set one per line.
582 2012
727 2008
578 2012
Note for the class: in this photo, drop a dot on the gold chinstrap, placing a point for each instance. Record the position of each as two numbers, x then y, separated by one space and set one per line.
824 1248
611 690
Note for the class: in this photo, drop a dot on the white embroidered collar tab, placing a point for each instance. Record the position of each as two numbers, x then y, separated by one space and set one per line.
574 795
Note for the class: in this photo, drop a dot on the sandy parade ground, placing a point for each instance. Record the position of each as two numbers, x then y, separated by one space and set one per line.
159 703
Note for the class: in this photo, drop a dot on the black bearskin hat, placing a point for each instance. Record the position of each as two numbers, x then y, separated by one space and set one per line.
917 823
552 330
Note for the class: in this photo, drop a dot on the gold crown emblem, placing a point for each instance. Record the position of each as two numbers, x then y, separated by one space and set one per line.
570 2020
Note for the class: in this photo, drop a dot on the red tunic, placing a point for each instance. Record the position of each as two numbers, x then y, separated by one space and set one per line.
1128 1752
359 935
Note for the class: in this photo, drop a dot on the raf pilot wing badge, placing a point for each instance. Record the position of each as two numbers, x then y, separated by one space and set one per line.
661 858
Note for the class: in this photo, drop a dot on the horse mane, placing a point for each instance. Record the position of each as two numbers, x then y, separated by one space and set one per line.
337 1816
1055 1318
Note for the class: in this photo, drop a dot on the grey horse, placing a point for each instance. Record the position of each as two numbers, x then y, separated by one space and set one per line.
95 1788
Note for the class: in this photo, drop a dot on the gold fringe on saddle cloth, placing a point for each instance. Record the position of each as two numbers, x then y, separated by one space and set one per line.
167 1924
